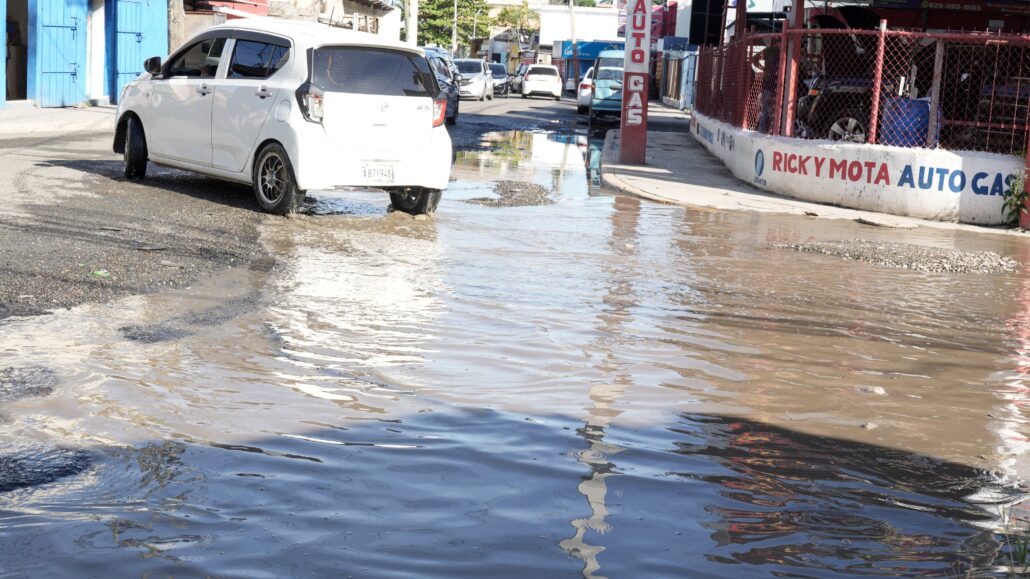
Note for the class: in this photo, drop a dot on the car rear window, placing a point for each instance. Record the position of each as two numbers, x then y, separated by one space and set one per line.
542 72
360 70
609 74
499 71
468 66
608 62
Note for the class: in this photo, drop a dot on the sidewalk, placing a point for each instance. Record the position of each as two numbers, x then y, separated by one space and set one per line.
680 171
20 119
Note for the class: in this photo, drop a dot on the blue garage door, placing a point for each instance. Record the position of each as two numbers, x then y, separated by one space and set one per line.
140 31
128 34
62 52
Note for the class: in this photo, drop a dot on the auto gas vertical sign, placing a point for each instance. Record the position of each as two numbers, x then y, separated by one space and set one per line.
633 139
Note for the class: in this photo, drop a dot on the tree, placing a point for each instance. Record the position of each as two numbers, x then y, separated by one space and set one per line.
519 18
583 3
435 18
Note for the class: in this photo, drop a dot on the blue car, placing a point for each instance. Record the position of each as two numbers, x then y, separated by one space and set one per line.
606 97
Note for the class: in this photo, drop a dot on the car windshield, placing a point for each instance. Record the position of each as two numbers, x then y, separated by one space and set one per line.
609 74
499 71
543 72
376 71
608 62
469 66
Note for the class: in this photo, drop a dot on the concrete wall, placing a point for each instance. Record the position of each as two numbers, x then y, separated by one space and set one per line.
967 187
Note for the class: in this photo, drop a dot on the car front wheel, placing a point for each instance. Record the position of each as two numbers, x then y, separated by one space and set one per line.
135 154
275 185
416 200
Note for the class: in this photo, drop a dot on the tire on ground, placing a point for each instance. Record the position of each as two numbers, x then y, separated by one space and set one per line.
135 154
275 185
416 200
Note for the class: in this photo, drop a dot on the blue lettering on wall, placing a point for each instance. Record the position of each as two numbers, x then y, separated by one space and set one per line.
906 177
978 187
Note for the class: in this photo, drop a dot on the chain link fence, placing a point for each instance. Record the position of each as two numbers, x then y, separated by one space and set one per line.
954 91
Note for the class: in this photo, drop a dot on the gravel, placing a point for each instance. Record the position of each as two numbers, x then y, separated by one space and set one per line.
93 236
515 194
907 256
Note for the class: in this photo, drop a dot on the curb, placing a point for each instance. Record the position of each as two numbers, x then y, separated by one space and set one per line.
610 177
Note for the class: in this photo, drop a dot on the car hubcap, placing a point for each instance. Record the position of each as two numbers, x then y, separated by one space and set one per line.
847 129
408 199
272 179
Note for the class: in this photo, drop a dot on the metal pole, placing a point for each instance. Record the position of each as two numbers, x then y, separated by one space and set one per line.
740 24
935 95
454 31
575 45
874 112
411 23
781 74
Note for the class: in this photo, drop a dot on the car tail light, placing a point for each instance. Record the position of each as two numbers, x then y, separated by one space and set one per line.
813 92
585 85
309 97
439 112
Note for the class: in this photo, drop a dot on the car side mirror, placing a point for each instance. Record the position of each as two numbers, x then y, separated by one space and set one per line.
153 65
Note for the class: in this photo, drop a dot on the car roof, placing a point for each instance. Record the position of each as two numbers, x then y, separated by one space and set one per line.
611 53
543 66
313 33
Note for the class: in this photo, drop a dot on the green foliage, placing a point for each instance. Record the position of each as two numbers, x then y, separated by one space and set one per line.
435 18
1015 199
584 3
520 18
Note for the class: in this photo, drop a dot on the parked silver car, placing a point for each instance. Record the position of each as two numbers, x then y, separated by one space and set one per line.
476 81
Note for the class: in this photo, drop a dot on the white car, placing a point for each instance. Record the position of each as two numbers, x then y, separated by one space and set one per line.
476 80
583 93
542 79
288 107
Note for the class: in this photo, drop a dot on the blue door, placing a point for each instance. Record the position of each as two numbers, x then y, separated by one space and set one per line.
128 48
140 30
61 52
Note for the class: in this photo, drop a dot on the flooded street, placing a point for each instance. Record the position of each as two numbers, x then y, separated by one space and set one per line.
593 386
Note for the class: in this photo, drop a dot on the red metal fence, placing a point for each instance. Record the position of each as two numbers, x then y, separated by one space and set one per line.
955 91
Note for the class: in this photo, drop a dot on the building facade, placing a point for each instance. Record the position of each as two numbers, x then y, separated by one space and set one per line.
67 52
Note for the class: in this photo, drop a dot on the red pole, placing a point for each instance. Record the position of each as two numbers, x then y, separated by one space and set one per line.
743 76
1024 217
740 24
781 73
791 77
874 109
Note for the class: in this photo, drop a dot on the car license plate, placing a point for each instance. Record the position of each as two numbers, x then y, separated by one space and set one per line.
377 172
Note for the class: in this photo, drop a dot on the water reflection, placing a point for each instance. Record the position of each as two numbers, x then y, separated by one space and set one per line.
605 395
816 504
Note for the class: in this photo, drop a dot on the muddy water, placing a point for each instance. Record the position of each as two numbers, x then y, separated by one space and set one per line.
600 386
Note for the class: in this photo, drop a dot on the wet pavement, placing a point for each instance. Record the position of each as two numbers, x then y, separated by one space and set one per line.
597 386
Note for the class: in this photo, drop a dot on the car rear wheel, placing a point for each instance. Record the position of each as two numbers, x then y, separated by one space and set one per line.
580 109
848 127
453 119
274 183
416 200
135 154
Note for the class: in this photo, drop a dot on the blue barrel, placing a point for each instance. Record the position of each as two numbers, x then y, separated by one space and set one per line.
905 122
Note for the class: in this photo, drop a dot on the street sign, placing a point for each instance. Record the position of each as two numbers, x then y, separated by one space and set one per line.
633 137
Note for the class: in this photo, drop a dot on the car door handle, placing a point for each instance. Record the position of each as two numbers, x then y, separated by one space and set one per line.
204 90
263 93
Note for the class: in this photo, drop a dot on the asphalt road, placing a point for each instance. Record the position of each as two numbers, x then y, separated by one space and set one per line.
74 231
